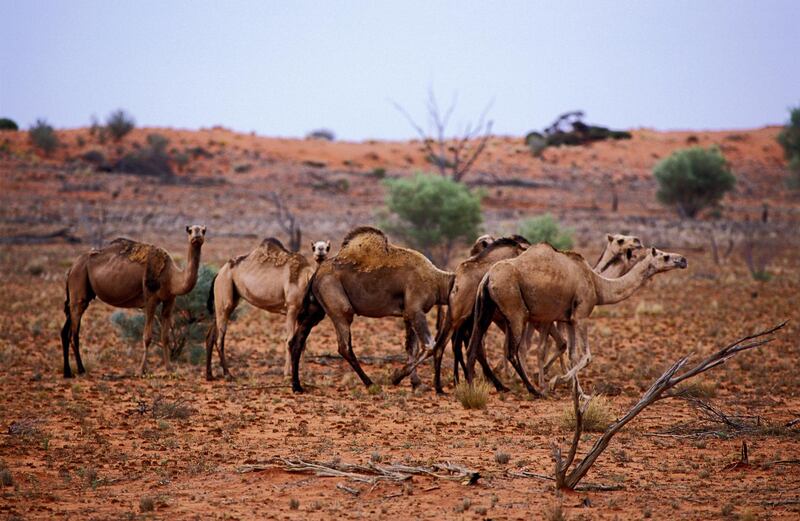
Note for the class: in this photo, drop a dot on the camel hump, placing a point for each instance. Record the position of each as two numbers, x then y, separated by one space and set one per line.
502 242
153 258
274 242
365 232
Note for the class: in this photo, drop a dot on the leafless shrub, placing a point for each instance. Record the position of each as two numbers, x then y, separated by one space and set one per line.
165 409
452 157
474 395
286 219
567 477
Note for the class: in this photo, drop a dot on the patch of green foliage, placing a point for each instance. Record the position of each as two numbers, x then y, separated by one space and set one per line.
693 179
119 123
432 213
8 124
789 138
545 228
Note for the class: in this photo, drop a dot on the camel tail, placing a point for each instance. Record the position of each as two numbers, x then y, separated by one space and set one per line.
482 315
210 301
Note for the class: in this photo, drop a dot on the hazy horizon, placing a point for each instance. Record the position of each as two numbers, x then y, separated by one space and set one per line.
285 69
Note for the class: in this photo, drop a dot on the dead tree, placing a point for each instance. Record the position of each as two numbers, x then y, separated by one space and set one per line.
453 157
568 479
286 220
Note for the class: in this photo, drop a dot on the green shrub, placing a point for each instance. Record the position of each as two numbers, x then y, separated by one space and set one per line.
789 138
545 228
43 137
190 321
323 134
433 213
536 142
693 179
8 124
119 124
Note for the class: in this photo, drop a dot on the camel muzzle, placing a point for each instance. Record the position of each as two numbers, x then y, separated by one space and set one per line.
681 263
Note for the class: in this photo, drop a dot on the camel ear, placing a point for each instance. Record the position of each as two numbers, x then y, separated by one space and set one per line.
312 245
188 230
203 229
653 252
609 237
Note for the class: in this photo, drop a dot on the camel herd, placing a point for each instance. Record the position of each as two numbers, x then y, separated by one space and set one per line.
520 287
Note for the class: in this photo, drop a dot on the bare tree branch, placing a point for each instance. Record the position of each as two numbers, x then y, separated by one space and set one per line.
657 391
454 157
286 220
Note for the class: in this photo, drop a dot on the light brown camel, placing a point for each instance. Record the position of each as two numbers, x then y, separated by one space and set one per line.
544 285
372 278
270 278
129 274
620 254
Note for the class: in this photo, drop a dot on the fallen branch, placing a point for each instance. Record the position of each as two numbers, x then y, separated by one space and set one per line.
569 479
369 473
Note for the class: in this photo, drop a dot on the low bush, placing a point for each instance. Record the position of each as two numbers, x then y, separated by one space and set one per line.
153 160
693 179
43 137
597 418
474 395
119 124
545 228
8 124
323 134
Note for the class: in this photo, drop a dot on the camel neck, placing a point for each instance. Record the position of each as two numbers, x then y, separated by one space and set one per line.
605 258
184 283
611 291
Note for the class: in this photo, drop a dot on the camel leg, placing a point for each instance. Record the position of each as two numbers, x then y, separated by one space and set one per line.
515 336
65 341
147 335
225 302
460 339
309 316
342 325
77 309
445 332
541 354
291 321
561 348
483 315
411 352
166 331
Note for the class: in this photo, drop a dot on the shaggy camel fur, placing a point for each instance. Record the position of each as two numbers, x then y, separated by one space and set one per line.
372 278
128 274
544 285
270 278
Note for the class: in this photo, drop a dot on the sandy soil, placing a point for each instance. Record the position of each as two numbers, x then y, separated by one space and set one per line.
91 448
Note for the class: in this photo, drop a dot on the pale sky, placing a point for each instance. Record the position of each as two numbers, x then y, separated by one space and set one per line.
286 68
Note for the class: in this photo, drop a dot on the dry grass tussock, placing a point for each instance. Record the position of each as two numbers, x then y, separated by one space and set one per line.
597 418
473 396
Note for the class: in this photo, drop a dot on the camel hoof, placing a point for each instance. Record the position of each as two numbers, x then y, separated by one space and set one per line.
209 377
229 377
440 392
298 389
68 374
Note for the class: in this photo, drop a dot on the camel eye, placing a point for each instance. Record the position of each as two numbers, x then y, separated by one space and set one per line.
620 241
666 258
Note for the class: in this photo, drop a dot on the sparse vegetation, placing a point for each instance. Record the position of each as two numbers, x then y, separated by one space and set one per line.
153 160
502 457
693 179
8 124
43 137
433 213
474 395
164 409
294 504
323 134
597 418
789 138
545 228
119 124
147 504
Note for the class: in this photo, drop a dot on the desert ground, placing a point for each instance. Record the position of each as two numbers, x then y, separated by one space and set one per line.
172 445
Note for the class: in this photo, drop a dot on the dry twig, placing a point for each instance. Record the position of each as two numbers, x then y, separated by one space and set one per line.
569 479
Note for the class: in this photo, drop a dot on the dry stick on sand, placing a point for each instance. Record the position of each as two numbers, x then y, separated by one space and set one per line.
369 473
569 479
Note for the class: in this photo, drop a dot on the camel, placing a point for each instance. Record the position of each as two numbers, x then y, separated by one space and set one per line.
128 274
270 278
373 278
458 321
544 285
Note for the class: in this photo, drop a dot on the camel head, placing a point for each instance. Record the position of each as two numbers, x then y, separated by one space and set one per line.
628 245
197 234
320 249
660 261
481 243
